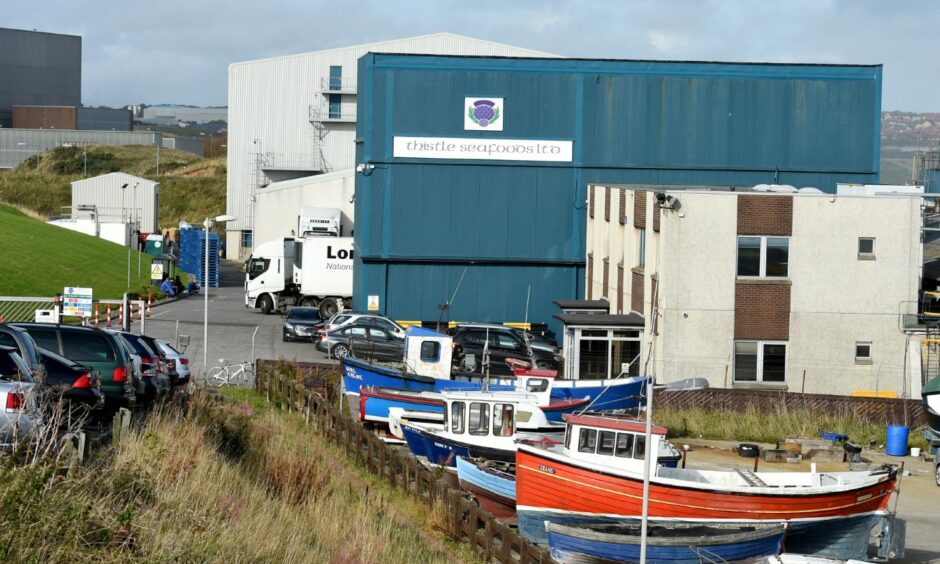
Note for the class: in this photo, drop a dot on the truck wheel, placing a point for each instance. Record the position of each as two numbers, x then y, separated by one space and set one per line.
339 351
308 302
266 305
328 308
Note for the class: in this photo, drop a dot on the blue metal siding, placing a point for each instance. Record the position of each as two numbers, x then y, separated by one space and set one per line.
515 224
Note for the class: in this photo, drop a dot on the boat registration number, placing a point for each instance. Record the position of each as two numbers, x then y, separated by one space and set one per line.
546 469
863 497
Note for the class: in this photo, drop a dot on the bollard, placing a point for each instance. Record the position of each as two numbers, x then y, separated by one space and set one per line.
108 313
96 316
149 300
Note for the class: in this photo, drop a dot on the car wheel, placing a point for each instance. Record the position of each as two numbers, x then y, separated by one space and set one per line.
339 351
266 305
286 338
328 307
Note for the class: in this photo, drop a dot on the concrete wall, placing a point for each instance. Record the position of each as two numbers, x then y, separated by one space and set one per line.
278 205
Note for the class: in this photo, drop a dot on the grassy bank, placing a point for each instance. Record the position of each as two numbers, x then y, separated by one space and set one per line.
755 426
232 482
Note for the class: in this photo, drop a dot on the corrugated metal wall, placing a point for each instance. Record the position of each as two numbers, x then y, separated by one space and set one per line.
17 145
105 119
138 203
515 225
194 146
37 68
270 100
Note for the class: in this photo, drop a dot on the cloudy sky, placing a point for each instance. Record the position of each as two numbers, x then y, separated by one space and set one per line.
178 51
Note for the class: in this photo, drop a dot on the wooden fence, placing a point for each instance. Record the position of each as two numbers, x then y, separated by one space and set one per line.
876 410
494 540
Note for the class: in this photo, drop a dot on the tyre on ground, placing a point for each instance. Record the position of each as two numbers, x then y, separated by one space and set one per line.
266 305
339 350
328 307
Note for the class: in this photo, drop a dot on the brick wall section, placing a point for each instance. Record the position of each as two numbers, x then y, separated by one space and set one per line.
591 201
636 293
639 210
606 278
657 211
765 215
607 192
762 312
623 206
590 277
620 289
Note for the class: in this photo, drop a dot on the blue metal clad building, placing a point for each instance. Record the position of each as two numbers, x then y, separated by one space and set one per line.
424 219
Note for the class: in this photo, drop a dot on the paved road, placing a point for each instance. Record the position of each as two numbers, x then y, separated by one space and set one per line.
231 326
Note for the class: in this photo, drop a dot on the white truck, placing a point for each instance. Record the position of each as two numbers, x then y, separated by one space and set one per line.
305 271
319 222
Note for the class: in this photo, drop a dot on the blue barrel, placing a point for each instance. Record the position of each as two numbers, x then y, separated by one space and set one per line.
896 442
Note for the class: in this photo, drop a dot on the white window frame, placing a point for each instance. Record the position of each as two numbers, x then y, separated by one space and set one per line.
641 248
862 254
863 344
576 335
763 257
760 361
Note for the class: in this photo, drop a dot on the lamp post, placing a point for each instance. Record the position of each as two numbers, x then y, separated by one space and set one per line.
208 223
123 213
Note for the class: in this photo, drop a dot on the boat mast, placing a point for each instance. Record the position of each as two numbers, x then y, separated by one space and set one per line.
645 515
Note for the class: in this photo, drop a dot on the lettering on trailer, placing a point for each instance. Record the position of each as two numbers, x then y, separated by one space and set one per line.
482 149
340 253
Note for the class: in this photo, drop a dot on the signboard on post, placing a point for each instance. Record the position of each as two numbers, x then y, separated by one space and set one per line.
77 302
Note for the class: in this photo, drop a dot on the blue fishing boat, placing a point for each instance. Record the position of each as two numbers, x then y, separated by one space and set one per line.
673 543
493 484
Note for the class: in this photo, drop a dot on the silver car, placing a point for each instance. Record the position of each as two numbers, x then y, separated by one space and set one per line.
179 358
20 418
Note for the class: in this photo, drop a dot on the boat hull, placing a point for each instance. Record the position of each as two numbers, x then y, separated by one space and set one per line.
715 543
434 450
551 489
933 420
494 489
376 403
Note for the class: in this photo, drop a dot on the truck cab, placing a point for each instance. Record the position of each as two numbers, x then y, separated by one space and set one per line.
269 271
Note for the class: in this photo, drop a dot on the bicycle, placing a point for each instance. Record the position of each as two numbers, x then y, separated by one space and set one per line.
240 374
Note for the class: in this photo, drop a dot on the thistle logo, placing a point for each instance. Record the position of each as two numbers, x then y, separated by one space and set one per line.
483 114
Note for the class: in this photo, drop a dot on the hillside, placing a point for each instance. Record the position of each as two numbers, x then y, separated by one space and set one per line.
38 259
191 188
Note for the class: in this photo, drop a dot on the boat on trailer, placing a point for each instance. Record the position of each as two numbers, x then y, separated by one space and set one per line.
667 543
597 478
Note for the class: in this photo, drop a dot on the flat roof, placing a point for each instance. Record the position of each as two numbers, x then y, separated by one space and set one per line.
601 305
599 319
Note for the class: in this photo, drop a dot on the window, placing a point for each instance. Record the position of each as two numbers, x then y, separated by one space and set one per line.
624 445
507 342
430 351
247 239
88 346
45 339
479 423
568 437
863 350
641 248
606 443
377 333
257 267
536 385
605 353
502 420
866 247
336 77
640 450
587 441
760 361
355 331
763 257
336 106
456 417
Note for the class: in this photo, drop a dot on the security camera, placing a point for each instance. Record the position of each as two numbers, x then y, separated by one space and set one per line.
661 198
360 167
667 201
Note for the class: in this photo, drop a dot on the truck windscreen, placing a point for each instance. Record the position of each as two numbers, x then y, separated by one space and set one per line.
257 266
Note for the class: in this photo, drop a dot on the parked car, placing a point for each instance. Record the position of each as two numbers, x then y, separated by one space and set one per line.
20 415
95 348
363 339
302 323
77 385
502 343
147 363
179 360
344 318
166 365
19 339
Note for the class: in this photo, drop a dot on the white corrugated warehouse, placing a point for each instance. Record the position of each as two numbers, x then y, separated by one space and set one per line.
295 116
119 198
277 207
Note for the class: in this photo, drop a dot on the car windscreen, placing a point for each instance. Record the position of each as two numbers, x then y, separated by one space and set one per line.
60 370
168 348
45 338
138 345
11 368
86 346
303 315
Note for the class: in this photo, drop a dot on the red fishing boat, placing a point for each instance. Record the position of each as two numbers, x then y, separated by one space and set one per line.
597 477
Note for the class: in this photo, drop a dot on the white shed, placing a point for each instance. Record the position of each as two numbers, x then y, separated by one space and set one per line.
119 198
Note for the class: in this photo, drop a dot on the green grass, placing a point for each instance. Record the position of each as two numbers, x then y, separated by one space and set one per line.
757 426
37 259
191 188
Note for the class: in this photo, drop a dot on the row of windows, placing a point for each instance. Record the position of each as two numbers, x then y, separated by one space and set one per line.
610 443
766 361
768 257
479 422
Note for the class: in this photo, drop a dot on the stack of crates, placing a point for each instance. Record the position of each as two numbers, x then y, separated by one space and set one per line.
192 250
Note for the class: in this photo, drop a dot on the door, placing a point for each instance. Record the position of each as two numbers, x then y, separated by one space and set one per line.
385 345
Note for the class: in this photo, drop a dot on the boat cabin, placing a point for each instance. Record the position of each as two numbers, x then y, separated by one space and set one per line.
612 441
428 353
484 414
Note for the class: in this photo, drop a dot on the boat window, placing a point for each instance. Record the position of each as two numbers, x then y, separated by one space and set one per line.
568 437
624 445
456 417
479 419
446 418
502 420
587 441
640 450
606 443
536 385
430 351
